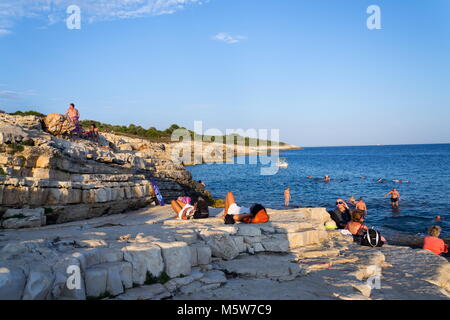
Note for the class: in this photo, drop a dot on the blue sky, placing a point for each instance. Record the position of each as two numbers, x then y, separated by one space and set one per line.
309 68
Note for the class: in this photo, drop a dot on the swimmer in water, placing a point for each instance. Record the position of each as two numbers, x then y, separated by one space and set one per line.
327 179
352 201
395 197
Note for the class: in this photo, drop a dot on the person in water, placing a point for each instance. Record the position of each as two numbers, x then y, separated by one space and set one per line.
186 211
287 196
341 215
433 243
361 205
395 197
326 179
352 201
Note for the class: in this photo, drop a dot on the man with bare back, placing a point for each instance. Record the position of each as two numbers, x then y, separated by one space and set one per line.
361 205
73 113
395 197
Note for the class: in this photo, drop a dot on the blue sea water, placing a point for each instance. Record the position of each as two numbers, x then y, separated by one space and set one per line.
424 169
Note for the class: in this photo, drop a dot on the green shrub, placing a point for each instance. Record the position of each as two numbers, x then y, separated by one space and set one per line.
14 148
162 278
27 113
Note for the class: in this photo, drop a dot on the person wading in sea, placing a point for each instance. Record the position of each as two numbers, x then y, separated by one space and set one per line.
395 197
287 196
361 205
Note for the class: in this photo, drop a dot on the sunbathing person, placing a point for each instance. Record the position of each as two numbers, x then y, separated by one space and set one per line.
356 225
256 214
341 215
93 132
186 211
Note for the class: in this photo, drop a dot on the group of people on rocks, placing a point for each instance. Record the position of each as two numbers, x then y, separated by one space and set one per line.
187 209
73 115
352 220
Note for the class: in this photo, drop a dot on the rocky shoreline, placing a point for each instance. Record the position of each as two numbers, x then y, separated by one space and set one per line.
75 179
146 254
79 221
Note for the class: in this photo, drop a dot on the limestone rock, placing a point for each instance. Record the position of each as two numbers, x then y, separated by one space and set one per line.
95 279
144 258
214 276
221 244
12 283
39 284
57 124
177 258
23 218
151 292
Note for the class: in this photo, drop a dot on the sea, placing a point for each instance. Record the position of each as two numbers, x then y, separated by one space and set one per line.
421 173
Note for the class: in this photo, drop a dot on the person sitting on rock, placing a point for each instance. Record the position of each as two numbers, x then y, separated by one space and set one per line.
93 132
256 214
73 114
187 211
341 215
355 226
433 243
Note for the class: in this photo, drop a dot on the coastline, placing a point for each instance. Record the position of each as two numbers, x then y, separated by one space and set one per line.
148 255
210 152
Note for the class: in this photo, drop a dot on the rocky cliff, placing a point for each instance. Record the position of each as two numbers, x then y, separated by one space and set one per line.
73 179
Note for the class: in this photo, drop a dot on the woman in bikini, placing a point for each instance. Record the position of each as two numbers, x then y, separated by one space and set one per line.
356 226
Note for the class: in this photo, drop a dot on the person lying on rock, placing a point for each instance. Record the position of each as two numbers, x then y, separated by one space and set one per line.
186 211
341 215
93 132
256 214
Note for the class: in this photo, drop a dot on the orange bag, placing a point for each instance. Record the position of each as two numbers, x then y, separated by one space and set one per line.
260 217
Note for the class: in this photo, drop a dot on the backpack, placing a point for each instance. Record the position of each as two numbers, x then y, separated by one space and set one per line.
371 238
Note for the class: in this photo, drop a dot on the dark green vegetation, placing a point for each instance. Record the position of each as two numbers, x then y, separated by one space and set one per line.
162 278
156 135
25 113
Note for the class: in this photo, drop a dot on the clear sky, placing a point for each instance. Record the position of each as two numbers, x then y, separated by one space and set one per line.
310 68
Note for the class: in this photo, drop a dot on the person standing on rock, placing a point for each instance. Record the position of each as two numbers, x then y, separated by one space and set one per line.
287 196
73 114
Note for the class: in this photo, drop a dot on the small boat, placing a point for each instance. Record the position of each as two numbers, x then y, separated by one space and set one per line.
282 163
